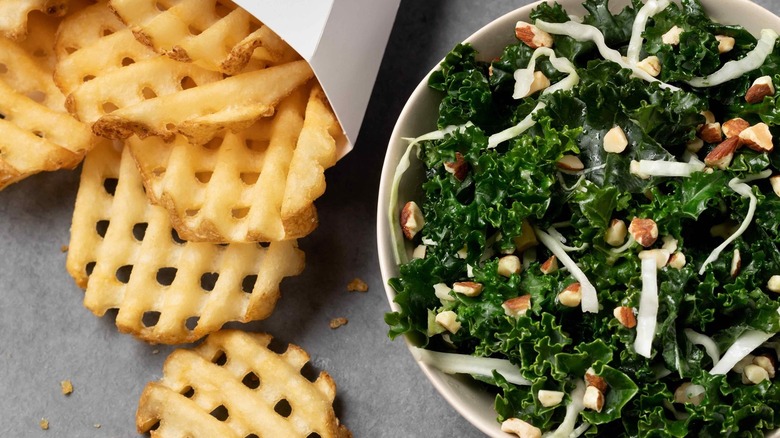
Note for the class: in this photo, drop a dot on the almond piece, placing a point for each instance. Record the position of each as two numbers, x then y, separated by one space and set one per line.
594 380
467 288
774 284
625 316
527 239
449 320
550 265
520 428
550 398
734 127
695 145
459 168
725 43
532 36
571 295
539 83
677 260
661 256
571 163
723 153
736 263
709 116
615 140
774 180
517 306
681 395
593 399
761 88
650 65
509 265
711 133
644 231
672 36
766 362
757 137
616 233
412 220
754 374
633 168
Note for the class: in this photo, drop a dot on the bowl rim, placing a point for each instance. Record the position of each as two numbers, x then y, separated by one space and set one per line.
396 147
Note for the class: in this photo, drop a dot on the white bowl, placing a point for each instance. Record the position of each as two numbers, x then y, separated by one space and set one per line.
419 117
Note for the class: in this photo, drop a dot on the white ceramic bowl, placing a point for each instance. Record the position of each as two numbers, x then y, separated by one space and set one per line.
419 117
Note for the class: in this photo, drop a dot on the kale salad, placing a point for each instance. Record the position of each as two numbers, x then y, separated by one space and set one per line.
598 237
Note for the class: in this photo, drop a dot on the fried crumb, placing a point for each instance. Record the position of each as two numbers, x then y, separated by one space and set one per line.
338 322
44 423
67 387
357 285
96 425
155 351
64 248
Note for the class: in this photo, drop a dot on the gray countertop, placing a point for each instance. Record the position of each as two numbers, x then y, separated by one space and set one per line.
46 335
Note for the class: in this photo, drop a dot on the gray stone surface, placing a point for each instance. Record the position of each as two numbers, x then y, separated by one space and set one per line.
46 335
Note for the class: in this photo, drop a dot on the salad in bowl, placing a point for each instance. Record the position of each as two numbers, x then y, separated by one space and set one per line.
591 230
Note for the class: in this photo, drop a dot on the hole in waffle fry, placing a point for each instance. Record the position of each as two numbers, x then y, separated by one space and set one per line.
251 380
277 346
192 322
283 408
213 144
220 413
160 7
70 50
165 276
101 227
220 358
150 318
208 281
187 83
257 145
194 30
313 435
203 177
188 391
249 178
40 53
38 134
89 268
139 231
191 212
248 284
309 372
251 435
37 95
175 236
123 273
148 93
109 107
158 171
87 78
221 10
3 68
110 185
170 126
107 31
127 61
240 213
2 116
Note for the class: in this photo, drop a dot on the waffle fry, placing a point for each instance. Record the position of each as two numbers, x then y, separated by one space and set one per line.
36 134
231 190
13 14
233 386
200 113
215 35
315 152
124 252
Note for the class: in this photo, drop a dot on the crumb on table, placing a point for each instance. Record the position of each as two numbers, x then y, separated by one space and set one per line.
64 248
357 285
44 423
67 387
338 322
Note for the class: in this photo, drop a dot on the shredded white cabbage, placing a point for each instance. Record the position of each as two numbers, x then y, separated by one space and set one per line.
705 341
668 168
590 299
734 69
648 308
452 363
573 409
743 346
515 131
585 32
647 11
740 186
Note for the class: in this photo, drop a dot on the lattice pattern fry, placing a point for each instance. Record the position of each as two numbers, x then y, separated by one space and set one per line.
233 386
36 134
229 190
14 13
124 250
215 35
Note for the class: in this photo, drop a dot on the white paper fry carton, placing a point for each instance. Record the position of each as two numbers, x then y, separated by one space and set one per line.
343 40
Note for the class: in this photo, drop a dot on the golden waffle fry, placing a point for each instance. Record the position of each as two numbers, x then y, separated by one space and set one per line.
315 152
231 189
36 134
215 35
13 14
126 254
233 386
200 113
